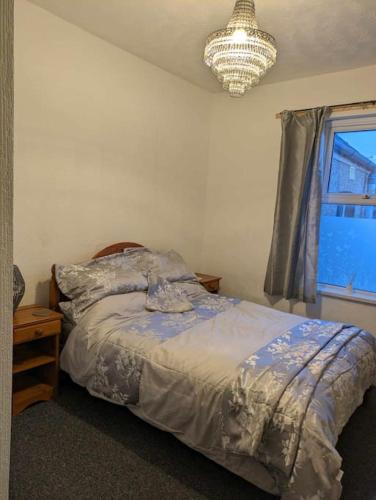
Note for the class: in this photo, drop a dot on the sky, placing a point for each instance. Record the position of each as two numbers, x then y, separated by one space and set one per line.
364 141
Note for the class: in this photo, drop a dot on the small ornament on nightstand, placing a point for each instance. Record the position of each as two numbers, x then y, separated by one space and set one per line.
18 287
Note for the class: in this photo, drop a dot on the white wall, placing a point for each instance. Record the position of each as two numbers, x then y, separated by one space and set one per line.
107 148
242 183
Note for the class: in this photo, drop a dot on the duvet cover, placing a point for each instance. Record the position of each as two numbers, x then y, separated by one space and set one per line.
261 392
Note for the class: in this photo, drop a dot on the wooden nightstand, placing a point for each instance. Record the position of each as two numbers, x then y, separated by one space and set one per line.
36 332
211 283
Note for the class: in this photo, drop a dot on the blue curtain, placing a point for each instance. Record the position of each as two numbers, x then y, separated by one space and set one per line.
292 266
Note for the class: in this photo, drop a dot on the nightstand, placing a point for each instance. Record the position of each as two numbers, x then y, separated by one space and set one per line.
211 283
36 332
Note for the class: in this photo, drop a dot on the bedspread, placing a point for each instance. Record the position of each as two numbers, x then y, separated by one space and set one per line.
262 392
119 367
291 400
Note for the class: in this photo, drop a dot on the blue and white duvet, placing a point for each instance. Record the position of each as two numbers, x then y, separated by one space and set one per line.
262 392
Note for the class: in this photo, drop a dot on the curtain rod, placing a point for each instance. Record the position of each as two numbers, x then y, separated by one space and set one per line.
340 107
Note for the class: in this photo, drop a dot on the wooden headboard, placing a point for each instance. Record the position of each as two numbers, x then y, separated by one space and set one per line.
55 294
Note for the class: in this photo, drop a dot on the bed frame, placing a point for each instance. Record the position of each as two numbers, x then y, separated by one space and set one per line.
55 294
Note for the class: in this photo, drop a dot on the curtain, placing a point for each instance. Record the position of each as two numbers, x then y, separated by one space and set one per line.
292 266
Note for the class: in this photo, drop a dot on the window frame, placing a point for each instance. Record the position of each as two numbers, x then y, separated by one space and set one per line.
335 124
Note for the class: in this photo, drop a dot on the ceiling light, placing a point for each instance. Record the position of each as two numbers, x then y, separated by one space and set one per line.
240 54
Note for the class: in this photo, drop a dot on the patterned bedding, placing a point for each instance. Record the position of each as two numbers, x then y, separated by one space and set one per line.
262 392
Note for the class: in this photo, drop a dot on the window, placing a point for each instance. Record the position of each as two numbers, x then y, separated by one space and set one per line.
347 247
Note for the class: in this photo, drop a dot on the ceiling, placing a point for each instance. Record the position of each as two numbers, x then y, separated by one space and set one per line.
313 36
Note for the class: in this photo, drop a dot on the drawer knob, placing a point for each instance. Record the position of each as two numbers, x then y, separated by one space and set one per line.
38 333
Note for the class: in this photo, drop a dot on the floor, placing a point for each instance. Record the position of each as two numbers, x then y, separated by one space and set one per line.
79 447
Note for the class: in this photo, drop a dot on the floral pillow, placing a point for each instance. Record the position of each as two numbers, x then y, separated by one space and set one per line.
169 265
165 297
91 281
139 258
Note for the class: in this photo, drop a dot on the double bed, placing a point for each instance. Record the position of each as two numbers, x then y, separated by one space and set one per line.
261 392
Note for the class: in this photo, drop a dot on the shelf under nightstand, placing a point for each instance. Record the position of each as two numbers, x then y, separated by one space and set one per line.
26 358
28 389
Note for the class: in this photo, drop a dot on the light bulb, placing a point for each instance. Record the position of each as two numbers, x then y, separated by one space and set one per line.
239 36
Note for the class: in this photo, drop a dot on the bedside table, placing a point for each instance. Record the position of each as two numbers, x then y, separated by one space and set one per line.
36 332
211 283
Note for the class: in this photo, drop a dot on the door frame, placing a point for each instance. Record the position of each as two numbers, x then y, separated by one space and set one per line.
6 236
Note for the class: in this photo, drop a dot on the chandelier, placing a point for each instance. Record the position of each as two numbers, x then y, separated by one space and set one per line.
240 54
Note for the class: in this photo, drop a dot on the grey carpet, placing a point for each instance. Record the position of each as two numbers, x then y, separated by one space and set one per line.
79 447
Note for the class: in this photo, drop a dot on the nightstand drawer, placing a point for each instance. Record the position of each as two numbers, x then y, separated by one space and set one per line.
36 332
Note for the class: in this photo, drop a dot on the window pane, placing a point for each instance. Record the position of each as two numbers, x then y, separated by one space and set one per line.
348 246
353 168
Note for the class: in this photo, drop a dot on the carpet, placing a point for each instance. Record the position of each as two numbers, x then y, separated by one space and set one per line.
80 447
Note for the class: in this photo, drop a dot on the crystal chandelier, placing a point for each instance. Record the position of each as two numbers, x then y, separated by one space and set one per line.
240 54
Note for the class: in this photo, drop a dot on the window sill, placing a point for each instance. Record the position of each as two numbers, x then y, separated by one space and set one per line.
342 293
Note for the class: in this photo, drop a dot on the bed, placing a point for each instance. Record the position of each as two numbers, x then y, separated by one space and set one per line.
261 392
